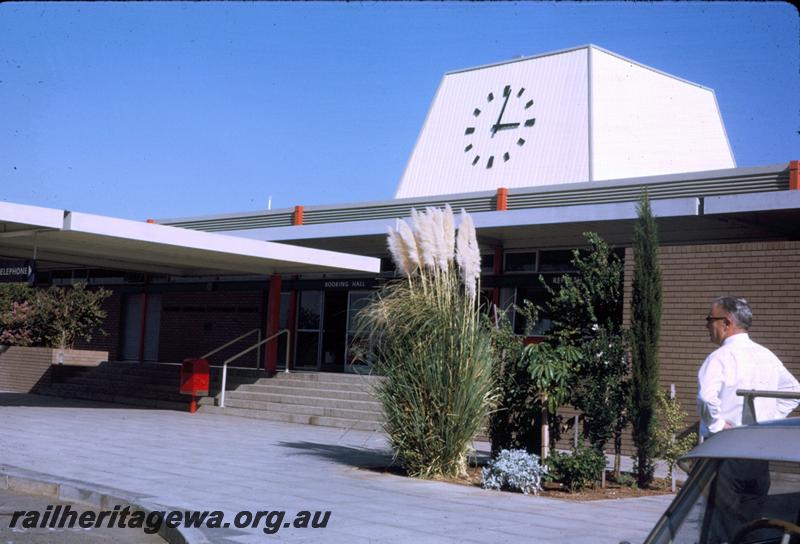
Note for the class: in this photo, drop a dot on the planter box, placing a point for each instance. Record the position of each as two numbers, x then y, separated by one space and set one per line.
22 368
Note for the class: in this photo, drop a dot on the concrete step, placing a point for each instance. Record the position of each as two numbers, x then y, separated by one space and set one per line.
328 377
307 399
129 383
342 394
75 390
331 385
293 418
304 409
84 394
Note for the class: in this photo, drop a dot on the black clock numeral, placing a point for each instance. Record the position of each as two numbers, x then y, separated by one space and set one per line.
520 142
477 112
522 90
529 104
507 90
490 162
467 148
470 130
530 122
490 97
506 156
476 159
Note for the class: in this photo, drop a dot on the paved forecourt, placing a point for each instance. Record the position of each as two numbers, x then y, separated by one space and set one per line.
175 460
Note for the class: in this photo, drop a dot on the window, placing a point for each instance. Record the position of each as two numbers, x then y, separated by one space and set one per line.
520 262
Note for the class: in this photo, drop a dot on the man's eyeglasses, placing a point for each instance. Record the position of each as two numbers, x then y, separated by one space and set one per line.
710 318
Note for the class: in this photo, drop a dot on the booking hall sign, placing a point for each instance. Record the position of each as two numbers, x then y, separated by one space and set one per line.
16 271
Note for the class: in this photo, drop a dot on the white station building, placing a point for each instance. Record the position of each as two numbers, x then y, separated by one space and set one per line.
539 150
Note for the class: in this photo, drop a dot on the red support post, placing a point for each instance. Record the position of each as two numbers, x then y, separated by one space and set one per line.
273 324
501 202
794 175
297 219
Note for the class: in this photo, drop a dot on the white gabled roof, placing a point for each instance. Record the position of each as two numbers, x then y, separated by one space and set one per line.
95 240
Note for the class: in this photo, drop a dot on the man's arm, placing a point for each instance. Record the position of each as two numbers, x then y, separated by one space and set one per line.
710 382
787 382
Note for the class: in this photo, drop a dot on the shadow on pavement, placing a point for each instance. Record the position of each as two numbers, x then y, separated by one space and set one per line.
345 455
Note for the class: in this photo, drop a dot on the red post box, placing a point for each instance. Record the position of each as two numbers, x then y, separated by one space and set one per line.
194 380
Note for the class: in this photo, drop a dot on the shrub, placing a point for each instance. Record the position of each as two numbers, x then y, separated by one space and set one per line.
587 314
15 325
669 444
514 470
516 421
577 470
54 317
425 334
625 479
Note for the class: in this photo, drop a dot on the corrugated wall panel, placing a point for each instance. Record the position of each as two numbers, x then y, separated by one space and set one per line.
647 123
518 198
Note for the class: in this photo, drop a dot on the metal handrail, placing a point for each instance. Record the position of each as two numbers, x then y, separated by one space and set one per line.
749 407
248 350
248 333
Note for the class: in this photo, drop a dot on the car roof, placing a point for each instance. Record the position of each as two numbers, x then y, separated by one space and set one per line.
777 440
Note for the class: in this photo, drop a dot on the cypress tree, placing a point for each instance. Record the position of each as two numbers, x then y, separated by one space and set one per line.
645 322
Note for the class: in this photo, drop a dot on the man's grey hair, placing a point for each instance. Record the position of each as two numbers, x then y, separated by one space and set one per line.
738 309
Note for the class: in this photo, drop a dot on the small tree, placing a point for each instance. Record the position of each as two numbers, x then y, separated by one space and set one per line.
514 424
645 324
551 369
70 314
587 315
54 317
669 444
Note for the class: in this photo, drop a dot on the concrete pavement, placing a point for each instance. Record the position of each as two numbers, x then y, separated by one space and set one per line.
175 460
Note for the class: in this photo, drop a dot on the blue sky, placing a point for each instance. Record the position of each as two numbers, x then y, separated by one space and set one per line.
141 110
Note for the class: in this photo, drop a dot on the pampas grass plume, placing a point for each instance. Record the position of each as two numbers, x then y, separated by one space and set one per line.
468 255
425 233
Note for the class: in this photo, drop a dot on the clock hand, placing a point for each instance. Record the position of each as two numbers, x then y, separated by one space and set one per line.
504 126
507 92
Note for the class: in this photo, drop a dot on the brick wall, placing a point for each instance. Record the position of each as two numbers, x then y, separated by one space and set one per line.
765 273
195 323
22 368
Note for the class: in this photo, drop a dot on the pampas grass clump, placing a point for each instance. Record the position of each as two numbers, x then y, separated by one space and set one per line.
426 336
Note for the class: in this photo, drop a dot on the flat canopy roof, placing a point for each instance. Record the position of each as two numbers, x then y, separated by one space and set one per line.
66 237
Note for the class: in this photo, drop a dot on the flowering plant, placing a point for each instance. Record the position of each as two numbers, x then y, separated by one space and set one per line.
425 334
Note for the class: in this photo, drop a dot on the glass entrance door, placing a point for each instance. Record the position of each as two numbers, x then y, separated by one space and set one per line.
356 301
308 332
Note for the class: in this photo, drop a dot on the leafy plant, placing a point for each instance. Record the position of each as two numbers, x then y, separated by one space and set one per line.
54 317
515 422
577 470
15 324
625 479
551 370
514 470
587 315
670 445
425 334
645 323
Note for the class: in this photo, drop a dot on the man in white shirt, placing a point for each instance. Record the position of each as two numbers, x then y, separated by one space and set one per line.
739 363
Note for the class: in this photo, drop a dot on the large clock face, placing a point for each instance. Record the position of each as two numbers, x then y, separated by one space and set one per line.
499 127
